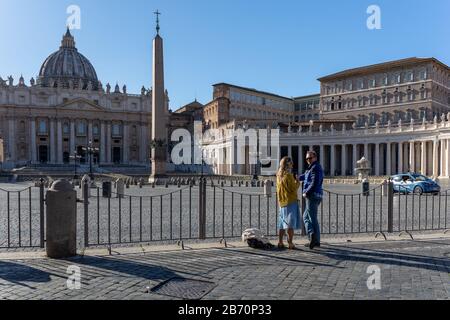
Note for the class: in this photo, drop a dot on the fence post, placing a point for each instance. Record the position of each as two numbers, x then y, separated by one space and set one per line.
42 212
202 209
86 212
390 194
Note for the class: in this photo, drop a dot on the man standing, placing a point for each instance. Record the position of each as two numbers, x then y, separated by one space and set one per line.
312 194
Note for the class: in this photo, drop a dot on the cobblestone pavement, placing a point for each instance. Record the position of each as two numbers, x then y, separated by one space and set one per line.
409 270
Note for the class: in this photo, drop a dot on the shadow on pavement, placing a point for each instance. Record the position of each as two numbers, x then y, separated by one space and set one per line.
16 273
345 253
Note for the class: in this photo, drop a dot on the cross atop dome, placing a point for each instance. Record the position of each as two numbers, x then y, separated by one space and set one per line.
68 40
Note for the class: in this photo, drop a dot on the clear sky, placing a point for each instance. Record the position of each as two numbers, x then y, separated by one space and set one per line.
278 46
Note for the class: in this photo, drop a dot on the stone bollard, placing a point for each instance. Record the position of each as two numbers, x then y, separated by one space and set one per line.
120 188
141 183
246 184
267 189
385 188
221 184
365 186
86 183
61 220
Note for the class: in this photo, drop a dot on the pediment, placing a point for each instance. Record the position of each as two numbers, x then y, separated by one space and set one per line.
81 105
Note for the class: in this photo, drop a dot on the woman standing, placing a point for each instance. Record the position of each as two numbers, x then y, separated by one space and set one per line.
287 189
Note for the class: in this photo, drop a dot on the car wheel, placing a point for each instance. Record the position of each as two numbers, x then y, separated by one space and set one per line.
418 190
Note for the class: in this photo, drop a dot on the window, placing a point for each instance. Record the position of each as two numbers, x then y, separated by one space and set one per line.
373 83
423 75
399 78
95 130
81 129
386 80
42 126
116 129
66 128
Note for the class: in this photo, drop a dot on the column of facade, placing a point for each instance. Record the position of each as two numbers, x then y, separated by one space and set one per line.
59 141
11 139
435 158
332 160
102 143
423 158
400 157
355 156
143 146
377 159
343 160
290 151
388 159
90 135
108 142
33 140
72 137
52 141
412 156
125 143
366 151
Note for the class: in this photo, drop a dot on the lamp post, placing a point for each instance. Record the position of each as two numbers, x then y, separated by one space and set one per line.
90 150
75 157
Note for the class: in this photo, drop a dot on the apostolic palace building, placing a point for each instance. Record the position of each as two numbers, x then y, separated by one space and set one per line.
396 114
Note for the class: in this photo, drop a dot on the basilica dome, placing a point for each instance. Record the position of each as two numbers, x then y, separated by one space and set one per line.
68 68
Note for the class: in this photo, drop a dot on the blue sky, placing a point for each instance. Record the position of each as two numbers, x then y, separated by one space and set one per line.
276 46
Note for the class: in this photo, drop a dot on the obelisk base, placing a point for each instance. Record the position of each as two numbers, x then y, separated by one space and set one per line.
158 175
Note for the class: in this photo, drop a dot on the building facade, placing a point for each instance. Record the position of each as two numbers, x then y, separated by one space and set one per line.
396 114
65 110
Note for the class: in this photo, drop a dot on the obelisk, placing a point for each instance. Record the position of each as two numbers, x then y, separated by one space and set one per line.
159 111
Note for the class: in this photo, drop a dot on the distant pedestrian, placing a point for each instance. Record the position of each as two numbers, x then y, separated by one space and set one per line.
287 189
312 194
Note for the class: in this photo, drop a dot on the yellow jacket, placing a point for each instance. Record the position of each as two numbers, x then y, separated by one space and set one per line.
287 190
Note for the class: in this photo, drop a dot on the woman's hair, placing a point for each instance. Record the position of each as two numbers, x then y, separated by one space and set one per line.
284 167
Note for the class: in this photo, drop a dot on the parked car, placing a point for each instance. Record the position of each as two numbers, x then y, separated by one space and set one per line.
414 183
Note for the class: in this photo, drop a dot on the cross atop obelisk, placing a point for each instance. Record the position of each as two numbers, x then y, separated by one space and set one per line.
157 13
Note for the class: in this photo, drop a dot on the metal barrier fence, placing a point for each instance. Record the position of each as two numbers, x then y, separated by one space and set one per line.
215 212
22 218
208 211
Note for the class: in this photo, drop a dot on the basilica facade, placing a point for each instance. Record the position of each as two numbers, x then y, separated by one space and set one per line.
54 120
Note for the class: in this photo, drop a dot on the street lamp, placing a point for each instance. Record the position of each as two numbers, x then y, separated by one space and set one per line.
90 150
75 157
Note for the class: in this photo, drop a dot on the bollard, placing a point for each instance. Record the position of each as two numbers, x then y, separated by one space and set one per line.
267 189
61 220
85 183
120 188
365 187
106 189
385 188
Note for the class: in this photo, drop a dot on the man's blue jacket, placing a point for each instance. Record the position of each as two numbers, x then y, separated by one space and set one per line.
313 180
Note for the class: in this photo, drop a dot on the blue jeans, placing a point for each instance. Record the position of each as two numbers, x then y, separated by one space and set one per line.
310 217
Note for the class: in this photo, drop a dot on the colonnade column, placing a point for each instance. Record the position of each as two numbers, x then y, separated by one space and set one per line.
447 141
400 157
377 159
301 158
412 156
332 160
343 160
125 143
443 167
435 158
355 147
388 159
423 159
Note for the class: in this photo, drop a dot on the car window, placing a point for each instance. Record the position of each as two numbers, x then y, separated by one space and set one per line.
420 178
397 179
